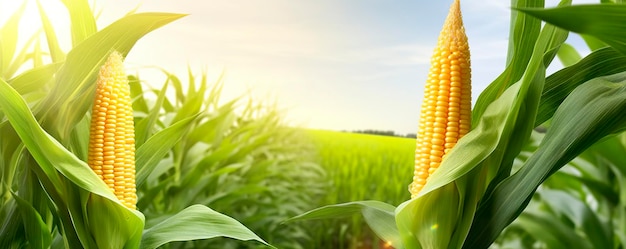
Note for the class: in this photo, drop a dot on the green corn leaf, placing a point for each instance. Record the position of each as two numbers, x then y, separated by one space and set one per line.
191 86
609 151
79 141
193 101
568 181
82 20
524 32
137 94
144 126
554 234
216 91
10 225
73 90
34 79
111 225
192 105
178 87
558 86
597 232
36 229
10 166
198 175
194 223
606 22
435 229
210 131
592 111
568 55
8 40
379 216
157 146
56 53
22 56
592 42
37 55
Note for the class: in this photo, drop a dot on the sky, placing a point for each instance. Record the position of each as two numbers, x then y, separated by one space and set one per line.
327 64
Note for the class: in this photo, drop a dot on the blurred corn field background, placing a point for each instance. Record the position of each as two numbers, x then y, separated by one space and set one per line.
543 166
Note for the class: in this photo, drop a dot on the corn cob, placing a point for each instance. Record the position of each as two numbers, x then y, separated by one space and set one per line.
446 108
111 153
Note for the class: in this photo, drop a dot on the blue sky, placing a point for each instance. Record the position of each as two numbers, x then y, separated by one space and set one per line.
340 65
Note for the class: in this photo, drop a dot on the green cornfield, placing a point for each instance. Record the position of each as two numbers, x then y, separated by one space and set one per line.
544 165
358 167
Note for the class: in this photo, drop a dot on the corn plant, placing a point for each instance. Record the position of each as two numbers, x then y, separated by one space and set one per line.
579 206
475 192
62 189
238 158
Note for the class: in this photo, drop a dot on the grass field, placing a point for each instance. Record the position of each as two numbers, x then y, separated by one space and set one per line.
360 167
365 167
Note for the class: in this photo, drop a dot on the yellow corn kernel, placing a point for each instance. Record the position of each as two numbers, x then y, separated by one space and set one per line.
111 152
446 108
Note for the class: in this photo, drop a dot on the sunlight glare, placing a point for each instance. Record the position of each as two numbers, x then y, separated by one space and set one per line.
30 20
388 244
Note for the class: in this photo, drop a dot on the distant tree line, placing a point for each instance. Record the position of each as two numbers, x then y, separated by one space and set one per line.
384 133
